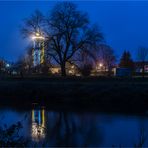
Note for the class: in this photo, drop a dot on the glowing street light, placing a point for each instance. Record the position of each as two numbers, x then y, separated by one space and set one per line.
99 67
7 65
100 64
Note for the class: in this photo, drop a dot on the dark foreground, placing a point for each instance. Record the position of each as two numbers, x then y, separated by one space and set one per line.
96 94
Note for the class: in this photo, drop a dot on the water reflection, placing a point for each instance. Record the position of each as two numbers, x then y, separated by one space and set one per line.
79 129
69 129
38 124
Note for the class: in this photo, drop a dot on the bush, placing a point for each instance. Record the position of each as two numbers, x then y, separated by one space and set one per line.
9 136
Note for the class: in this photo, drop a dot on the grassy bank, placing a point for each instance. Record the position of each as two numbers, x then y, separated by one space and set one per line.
95 93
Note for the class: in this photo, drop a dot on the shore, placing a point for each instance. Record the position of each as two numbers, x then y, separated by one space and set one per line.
128 95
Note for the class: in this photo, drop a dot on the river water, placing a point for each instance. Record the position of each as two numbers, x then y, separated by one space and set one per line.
53 128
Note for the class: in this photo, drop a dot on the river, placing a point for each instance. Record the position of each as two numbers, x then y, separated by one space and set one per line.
59 128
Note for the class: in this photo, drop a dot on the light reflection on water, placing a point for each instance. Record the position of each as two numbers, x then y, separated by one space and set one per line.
78 129
38 125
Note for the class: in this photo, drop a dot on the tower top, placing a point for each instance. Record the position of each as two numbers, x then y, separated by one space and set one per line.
38 36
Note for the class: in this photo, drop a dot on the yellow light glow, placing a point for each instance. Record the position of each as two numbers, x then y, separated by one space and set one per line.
43 118
38 132
55 70
42 53
37 34
38 129
38 37
100 64
33 116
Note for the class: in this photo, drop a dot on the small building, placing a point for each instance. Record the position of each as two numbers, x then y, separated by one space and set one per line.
55 70
123 72
71 69
139 65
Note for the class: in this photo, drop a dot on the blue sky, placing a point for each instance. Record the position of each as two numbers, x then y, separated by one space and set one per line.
123 23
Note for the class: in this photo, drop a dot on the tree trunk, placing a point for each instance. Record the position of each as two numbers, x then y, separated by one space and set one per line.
63 70
108 69
109 72
143 71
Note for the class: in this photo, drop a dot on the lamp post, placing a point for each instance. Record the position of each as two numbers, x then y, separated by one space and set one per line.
99 66
38 52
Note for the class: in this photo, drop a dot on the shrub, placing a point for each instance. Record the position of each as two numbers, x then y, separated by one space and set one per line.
10 137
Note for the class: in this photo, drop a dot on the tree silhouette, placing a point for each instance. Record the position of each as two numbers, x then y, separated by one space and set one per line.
67 31
126 60
105 54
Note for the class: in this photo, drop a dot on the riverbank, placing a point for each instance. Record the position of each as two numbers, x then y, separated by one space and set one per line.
94 93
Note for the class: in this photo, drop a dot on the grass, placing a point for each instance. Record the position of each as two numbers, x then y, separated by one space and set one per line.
94 93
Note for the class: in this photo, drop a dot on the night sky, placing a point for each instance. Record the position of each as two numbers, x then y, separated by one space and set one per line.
124 24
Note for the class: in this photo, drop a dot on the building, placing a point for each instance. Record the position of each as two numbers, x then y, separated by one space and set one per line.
139 65
123 72
55 70
71 70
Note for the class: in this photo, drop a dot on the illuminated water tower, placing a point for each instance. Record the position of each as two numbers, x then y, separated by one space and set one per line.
38 53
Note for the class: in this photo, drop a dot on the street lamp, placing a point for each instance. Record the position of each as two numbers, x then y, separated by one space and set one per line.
7 65
99 67
100 64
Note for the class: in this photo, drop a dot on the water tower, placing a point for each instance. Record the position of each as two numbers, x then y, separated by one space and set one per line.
38 53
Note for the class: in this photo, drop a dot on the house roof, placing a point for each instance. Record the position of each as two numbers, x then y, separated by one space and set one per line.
139 63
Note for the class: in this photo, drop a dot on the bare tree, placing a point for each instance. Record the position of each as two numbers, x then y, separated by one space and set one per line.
33 24
105 54
69 31
142 56
2 65
84 60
